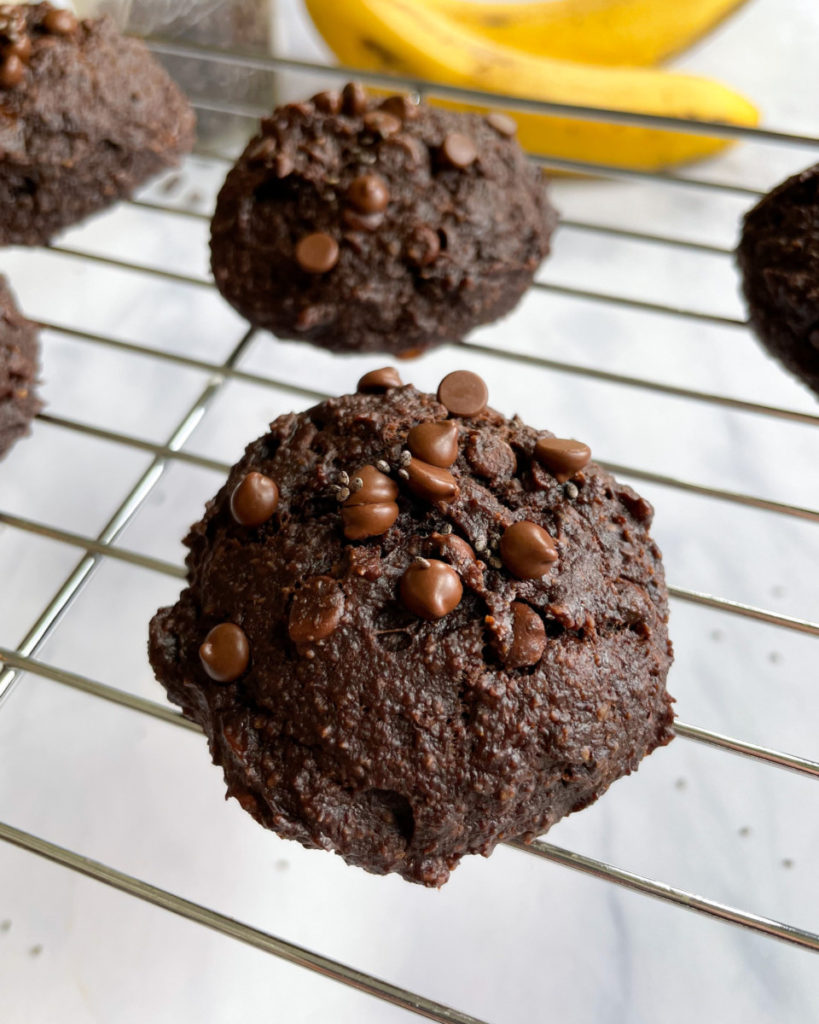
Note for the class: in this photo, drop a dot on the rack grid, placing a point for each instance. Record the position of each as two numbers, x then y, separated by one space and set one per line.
105 545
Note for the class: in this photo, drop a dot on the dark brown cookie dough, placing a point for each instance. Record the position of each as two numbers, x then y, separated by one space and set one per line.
86 115
18 370
406 661
779 259
364 225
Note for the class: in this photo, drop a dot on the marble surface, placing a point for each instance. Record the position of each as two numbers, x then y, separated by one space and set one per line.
512 938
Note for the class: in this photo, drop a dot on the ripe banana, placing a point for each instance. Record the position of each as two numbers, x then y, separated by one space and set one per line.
405 37
640 33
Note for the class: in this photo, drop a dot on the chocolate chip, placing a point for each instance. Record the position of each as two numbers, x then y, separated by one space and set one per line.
527 550
362 521
463 393
377 381
316 610
449 545
430 589
423 246
60 23
225 653
502 124
354 100
317 253
528 637
361 221
375 487
400 106
369 193
370 509
328 102
562 457
458 151
435 443
12 71
255 500
379 122
20 48
431 482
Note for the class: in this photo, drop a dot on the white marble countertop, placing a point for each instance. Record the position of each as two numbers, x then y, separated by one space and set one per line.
512 938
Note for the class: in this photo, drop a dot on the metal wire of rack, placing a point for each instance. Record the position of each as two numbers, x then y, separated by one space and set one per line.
105 545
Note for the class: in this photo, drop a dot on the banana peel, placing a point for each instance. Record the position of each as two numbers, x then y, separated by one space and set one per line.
639 33
408 38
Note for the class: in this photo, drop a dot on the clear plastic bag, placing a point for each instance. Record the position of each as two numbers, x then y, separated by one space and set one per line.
241 24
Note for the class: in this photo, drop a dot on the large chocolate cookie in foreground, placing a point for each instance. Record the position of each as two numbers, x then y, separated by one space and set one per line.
365 225
779 259
19 349
86 115
415 628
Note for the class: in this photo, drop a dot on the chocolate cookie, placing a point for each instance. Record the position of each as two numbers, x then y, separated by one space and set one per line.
18 370
779 259
86 115
364 225
415 628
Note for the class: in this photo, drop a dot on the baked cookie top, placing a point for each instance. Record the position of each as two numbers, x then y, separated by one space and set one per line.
414 628
369 224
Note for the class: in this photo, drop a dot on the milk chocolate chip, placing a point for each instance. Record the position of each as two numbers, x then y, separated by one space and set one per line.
459 151
255 500
316 610
528 637
463 393
400 106
430 589
317 253
60 23
435 443
377 381
379 122
502 124
370 510
354 99
562 457
225 653
527 550
431 482
12 70
328 102
368 193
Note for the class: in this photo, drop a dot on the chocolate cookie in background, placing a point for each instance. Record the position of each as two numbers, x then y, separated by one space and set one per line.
86 115
19 348
364 224
779 258
414 628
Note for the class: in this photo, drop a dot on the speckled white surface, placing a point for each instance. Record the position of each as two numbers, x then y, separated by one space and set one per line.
512 938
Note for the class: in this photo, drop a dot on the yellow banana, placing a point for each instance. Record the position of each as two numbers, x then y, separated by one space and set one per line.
405 37
640 33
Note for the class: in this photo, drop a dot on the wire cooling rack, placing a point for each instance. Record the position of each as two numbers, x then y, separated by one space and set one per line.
105 546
